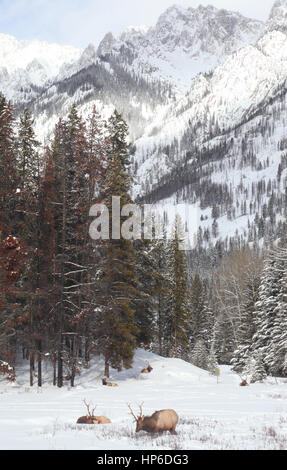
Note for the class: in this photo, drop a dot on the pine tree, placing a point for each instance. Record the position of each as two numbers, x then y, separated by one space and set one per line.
29 227
266 308
161 294
276 352
8 169
118 281
257 371
212 364
146 285
201 321
247 326
199 356
178 309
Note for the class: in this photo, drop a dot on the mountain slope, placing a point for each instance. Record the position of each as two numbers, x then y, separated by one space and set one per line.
184 42
30 65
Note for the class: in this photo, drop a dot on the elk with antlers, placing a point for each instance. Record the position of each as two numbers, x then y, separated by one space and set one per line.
160 421
91 419
147 370
109 384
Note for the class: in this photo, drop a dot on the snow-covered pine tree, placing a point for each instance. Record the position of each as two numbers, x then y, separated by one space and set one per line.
247 326
257 371
199 355
201 321
177 319
276 353
267 308
212 364
161 294
145 300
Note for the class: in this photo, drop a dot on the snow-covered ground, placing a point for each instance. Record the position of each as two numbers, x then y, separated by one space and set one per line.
212 415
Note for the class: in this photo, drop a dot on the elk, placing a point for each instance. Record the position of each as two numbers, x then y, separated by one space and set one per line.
244 383
160 421
91 419
109 384
147 370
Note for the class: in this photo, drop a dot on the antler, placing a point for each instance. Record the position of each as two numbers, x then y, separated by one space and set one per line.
132 413
88 408
141 409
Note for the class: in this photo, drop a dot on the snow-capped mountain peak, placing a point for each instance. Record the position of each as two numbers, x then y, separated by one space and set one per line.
183 43
278 16
26 64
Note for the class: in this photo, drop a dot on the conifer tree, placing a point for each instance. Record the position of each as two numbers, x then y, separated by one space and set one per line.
161 294
8 169
247 326
118 281
178 309
199 355
201 321
267 307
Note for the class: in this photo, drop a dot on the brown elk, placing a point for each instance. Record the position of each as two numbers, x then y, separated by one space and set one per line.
244 383
91 419
109 384
160 421
147 370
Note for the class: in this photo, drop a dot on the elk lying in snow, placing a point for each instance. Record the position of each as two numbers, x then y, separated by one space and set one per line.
147 370
160 421
244 383
91 419
109 384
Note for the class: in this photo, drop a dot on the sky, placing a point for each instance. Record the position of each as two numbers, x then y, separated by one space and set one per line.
80 22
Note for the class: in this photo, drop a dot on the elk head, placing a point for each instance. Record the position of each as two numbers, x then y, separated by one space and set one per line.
89 418
138 419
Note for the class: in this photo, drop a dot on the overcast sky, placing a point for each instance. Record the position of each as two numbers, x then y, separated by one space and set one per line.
80 22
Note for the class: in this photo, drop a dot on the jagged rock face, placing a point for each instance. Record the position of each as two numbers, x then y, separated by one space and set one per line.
278 17
106 45
184 42
204 29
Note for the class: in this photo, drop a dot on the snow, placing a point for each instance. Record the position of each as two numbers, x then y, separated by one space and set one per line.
212 416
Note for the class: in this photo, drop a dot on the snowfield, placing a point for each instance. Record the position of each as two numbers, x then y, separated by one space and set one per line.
213 416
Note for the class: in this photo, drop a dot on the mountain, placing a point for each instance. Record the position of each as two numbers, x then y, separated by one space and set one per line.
204 94
278 17
184 42
223 146
26 66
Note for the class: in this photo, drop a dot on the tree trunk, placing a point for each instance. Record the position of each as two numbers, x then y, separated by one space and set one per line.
107 369
87 353
40 363
60 364
32 368
54 371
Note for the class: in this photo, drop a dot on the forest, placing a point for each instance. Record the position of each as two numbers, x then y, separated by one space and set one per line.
65 297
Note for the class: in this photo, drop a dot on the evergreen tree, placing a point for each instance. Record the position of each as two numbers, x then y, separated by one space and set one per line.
212 364
266 308
247 326
199 356
178 308
257 372
201 316
8 169
117 285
